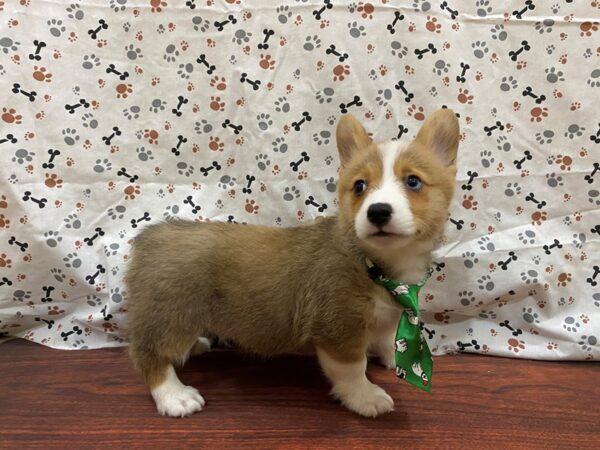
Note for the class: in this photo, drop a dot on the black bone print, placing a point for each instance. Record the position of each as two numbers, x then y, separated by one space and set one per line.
22 245
398 16
514 54
401 131
122 75
236 128
527 156
47 291
210 68
453 12
596 229
539 99
498 125
214 166
548 248
9 138
91 279
457 223
102 25
305 118
106 316
468 185
181 100
39 45
98 231
49 323
595 138
144 218
53 154
295 164
82 102
41 202
5 281
221 25
115 132
123 173
231 219
268 33
318 13
75 330
528 6
250 179
191 4
401 85
355 102
590 176
189 201
463 345
531 198
439 266
430 333
311 201
463 70
331 50
16 89
180 140
254 83
430 48
515 331
511 257
592 280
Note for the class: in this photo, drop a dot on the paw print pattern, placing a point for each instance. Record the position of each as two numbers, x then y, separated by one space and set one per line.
290 193
571 324
56 27
264 121
470 259
480 49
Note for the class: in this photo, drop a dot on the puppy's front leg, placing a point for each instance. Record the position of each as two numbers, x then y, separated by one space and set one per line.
351 386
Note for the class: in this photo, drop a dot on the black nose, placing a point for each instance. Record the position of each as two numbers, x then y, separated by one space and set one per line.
379 213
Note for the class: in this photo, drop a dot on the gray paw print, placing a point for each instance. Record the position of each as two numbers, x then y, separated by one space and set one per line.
503 143
550 49
52 238
117 212
93 300
328 160
79 343
7 44
283 13
555 8
527 237
102 165
383 97
262 161
545 26
574 130
90 61
487 314
512 189
469 259
232 60
264 121
171 212
157 105
133 52
553 75
421 5
203 127
219 204
531 276
23 155
596 298
326 95
58 274
185 70
89 121
373 74
485 244
553 181
499 33
72 221
594 79
480 48
312 42
241 37
133 112
545 137
74 11
433 91
330 184
356 30
483 8
508 83
398 49
111 250
19 295
571 324
171 53
282 105
486 158
441 67
331 119
594 196
72 260
530 316
485 282
322 137
116 295
289 193
226 182
143 154
587 342
70 136
579 240
56 27
200 24
117 5
466 298
184 168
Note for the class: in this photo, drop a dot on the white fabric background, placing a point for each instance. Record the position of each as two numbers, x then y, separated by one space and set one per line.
552 311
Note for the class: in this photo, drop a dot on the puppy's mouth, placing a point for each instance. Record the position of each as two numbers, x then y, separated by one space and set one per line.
383 234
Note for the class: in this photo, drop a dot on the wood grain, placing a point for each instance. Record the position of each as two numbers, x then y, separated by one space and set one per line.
55 399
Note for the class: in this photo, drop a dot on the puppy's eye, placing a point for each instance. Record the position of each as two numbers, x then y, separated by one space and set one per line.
413 182
360 186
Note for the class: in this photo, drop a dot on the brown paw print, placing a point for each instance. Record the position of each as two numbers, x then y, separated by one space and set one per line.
218 82
300 215
563 59
55 310
564 278
231 193
216 104
251 207
464 96
41 74
537 114
515 345
52 181
215 144
340 72
416 112
123 90
575 106
9 115
4 261
3 202
587 28
564 162
433 25
538 217
131 191
442 317
4 222
366 10
266 62
276 170
156 6
151 135
551 346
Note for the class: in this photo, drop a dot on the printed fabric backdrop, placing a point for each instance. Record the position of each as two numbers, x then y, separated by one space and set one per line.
120 113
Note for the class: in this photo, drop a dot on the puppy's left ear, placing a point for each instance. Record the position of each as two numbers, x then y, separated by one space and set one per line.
351 137
440 133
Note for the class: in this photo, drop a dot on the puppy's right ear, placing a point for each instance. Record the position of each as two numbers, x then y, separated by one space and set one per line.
351 137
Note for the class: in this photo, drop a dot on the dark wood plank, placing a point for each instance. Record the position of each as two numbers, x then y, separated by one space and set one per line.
92 399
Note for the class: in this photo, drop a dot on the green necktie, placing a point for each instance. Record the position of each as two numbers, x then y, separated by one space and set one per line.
413 358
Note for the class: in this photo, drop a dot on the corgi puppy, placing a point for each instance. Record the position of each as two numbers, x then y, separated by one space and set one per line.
281 290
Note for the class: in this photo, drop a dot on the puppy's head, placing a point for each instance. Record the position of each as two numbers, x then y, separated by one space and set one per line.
393 194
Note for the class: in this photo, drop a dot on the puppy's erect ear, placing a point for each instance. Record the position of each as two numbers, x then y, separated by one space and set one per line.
440 133
351 137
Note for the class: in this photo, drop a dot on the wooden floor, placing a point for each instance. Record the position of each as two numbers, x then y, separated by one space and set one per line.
92 399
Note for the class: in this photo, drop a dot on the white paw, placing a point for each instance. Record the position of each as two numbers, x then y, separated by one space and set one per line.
202 345
368 400
178 401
